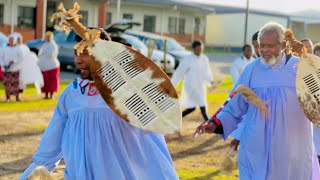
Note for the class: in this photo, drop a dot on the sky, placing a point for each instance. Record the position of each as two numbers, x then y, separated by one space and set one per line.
286 6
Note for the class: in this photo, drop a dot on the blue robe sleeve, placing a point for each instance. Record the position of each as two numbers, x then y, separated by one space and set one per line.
49 150
238 132
231 114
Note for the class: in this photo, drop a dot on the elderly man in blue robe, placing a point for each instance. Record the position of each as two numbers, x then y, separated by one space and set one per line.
278 146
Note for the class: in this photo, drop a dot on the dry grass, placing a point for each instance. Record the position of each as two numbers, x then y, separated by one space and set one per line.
199 158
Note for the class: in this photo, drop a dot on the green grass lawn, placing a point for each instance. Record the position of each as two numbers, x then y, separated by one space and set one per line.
31 100
194 159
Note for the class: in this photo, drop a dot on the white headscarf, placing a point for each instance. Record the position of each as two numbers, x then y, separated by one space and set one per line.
17 35
13 36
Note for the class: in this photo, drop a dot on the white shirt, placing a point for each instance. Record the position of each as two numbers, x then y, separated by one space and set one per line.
48 56
238 66
11 54
196 73
29 72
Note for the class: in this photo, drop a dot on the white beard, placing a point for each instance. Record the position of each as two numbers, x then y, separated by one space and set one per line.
271 61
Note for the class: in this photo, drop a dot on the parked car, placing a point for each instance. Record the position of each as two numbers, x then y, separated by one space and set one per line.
35 45
66 44
157 55
173 47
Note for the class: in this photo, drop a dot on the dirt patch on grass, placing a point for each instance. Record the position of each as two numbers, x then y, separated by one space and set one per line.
193 158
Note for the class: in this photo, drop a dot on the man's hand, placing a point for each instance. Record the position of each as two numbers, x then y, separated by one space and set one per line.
234 144
205 127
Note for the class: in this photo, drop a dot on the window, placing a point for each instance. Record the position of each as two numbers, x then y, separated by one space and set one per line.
182 23
1 14
197 26
127 16
84 19
109 18
26 17
176 25
149 23
172 25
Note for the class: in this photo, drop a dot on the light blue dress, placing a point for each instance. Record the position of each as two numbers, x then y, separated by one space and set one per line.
96 144
280 146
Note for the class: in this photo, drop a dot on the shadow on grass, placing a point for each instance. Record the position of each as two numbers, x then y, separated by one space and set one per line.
19 135
201 148
13 167
206 176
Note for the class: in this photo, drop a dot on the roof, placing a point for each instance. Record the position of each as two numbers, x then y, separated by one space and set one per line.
309 16
174 4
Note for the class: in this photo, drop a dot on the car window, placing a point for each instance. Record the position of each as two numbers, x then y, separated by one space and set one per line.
135 42
174 45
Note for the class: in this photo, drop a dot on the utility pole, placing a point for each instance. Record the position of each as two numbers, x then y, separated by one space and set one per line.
118 9
246 23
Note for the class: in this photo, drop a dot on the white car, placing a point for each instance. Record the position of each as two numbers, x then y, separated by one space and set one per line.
157 55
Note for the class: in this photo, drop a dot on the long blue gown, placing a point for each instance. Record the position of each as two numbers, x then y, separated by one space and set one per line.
279 146
96 144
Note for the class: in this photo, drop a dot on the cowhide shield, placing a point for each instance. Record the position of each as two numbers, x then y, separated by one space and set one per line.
308 86
135 88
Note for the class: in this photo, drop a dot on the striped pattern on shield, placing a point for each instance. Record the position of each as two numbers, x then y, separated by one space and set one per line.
308 86
135 88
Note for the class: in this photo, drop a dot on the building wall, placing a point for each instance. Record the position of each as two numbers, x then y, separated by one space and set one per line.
227 30
298 29
11 15
138 10
162 19
314 32
91 6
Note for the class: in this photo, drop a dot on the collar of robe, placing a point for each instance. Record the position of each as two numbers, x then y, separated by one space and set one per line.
88 85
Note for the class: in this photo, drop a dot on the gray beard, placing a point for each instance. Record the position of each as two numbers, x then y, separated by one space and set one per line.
271 61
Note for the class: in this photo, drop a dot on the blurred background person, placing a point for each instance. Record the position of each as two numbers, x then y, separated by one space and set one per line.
308 44
30 72
10 62
50 66
239 64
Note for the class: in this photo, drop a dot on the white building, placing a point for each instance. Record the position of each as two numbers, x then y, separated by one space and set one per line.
226 28
219 26
167 17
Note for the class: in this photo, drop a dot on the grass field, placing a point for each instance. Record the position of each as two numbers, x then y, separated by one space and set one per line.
22 124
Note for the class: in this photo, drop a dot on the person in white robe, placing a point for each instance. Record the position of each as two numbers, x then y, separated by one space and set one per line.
239 64
30 72
195 70
50 66
11 64
279 145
